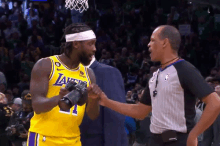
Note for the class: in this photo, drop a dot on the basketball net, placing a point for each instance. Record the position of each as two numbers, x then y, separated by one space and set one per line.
78 5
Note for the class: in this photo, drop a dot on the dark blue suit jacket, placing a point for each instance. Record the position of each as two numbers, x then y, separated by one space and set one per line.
108 129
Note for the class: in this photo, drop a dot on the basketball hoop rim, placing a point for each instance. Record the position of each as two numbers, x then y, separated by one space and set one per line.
78 5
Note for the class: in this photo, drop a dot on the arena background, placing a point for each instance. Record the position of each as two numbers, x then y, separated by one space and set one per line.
123 29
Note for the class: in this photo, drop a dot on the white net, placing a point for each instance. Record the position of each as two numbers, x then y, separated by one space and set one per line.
78 5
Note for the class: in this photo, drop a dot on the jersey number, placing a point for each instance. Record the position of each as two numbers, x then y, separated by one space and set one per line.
68 112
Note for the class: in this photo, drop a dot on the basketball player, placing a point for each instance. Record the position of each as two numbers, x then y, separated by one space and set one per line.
51 126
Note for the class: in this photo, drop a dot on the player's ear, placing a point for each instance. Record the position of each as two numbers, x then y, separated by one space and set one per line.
76 44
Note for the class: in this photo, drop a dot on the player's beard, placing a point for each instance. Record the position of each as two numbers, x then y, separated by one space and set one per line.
84 59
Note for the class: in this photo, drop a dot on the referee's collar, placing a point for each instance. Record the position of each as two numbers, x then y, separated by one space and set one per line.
171 64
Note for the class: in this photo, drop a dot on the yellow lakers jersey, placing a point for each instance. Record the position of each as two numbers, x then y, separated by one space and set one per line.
56 122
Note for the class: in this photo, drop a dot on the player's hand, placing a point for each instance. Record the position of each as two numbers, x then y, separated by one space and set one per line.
94 91
63 92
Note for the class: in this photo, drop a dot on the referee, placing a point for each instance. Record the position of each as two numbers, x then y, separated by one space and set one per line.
171 95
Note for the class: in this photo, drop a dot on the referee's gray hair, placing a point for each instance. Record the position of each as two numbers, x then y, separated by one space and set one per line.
172 34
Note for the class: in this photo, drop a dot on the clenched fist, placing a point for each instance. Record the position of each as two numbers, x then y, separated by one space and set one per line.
63 92
94 91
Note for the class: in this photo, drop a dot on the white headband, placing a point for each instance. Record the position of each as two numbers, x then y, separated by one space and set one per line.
82 36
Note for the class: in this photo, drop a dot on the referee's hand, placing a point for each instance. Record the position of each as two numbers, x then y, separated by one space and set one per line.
192 140
103 99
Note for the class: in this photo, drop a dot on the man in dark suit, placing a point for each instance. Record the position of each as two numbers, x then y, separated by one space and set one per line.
108 129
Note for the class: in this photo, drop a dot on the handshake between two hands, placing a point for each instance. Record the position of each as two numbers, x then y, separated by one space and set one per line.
95 93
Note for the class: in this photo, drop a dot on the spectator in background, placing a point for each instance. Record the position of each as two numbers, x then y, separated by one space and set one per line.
159 19
22 26
214 72
14 40
116 60
3 99
217 56
145 64
142 133
22 116
139 59
3 50
197 118
128 95
217 89
4 10
32 17
143 44
12 66
50 36
4 21
9 30
34 25
3 83
192 17
91 15
34 37
216 81
211 135
25 82
106 58
15 91
28 10
130 128
2 35
13 17
173 17
131 78
103 37
9 96
17 104
16 8
27 64
20 47
5 114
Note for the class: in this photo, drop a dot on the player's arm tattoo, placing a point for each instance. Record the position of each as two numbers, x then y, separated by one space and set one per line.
92 108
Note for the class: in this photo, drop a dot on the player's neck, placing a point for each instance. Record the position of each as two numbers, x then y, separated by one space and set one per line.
71 63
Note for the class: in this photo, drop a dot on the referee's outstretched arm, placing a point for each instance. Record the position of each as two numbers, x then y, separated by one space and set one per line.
142 109
138 111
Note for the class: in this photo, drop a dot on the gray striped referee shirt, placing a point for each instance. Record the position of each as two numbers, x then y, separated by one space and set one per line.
173 108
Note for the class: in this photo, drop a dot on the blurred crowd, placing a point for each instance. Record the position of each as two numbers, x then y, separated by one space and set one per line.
123 29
